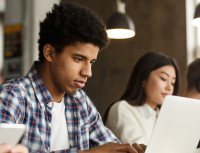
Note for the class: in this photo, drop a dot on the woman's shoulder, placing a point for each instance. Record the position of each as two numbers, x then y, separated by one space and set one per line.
123 104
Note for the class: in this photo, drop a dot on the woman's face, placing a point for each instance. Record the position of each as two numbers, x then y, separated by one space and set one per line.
159 84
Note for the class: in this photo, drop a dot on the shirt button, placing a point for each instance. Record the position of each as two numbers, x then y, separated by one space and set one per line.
74 114
49 104
49 124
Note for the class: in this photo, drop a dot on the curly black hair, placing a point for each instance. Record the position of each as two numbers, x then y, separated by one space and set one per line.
69 23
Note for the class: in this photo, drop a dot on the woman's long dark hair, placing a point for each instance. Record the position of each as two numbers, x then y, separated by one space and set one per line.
134 93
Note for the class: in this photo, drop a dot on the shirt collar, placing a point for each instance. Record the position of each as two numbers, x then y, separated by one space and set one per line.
43 95
147 111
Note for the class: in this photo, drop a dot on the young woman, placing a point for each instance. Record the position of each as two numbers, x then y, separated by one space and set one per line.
133 117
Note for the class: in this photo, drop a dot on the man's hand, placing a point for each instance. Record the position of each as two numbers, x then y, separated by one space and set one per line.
19 149
4 148
139 147
7 148
116 148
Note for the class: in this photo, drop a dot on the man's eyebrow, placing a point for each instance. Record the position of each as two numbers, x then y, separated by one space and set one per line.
76 54
84 57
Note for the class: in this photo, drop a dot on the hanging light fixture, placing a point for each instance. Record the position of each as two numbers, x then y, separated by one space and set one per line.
120 25
196 20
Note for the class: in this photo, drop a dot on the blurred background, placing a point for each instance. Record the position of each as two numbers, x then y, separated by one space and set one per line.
160 26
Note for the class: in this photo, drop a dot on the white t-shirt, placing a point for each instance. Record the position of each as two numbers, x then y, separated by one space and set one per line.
131 124
59 132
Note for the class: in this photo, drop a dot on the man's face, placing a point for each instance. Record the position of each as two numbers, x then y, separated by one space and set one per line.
70 69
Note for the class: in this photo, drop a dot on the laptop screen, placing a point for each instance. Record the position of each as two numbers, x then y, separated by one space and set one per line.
177 129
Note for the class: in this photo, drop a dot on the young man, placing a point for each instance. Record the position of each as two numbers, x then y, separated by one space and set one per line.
49 100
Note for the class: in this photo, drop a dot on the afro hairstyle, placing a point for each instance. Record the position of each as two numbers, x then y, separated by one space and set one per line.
69 23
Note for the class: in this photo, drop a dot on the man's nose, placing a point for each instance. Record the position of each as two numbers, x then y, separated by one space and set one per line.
87 70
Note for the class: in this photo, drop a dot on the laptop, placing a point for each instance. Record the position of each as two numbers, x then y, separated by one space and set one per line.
177 129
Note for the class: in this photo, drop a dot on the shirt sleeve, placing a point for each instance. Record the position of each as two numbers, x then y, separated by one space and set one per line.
98 133
11 104
124 124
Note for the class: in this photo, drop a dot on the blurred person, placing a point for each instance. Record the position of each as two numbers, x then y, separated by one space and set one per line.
193 80
133 116
58 114
193 84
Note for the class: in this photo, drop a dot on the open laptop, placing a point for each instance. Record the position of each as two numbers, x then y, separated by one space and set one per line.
177 129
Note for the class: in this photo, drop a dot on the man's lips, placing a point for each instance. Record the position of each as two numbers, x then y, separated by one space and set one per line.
79 84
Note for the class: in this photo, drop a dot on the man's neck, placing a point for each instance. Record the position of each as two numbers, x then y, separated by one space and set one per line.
47 80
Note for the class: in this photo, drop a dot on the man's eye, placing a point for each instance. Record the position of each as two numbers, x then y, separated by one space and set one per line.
92 62
78 59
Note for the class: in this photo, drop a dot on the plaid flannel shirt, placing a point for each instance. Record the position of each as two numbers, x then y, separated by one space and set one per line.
26 100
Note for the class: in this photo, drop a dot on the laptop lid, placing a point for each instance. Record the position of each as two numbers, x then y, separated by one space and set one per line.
177 129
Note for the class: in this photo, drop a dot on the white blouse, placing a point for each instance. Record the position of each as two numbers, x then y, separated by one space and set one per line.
132 124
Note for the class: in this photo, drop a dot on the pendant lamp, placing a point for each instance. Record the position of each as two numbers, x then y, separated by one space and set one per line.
120 25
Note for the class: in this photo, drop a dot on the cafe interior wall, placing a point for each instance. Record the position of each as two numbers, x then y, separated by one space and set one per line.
160 27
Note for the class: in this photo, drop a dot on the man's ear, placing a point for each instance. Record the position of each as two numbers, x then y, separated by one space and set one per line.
48 52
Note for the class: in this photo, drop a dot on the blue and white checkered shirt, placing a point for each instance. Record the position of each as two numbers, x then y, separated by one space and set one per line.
26 100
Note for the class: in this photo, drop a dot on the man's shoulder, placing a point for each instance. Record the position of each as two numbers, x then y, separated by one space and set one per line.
80 94
82 97
16 83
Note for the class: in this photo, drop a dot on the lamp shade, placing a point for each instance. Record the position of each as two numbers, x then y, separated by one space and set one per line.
196 20
120 26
